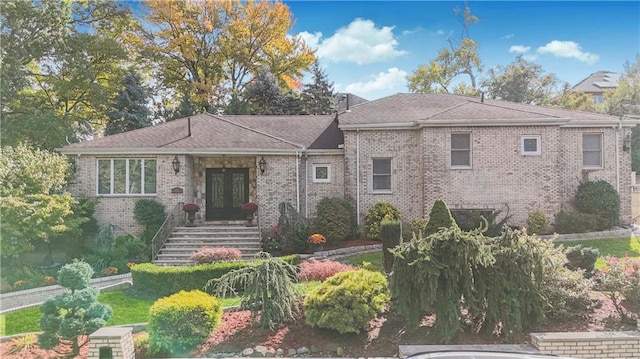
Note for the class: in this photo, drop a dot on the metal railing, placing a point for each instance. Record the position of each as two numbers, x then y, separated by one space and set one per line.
174 219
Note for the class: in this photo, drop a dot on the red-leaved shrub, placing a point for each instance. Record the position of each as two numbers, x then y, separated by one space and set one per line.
217 254
321 270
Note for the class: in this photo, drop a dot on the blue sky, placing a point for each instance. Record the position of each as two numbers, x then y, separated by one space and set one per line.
369 47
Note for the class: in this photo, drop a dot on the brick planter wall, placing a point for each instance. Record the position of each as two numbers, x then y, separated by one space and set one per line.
117 339
592 345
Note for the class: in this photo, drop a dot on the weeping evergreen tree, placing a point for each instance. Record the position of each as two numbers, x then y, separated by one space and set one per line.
130 110
267 289
318 97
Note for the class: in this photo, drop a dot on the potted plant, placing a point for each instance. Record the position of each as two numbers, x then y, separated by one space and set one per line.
191 209
249 209
317 240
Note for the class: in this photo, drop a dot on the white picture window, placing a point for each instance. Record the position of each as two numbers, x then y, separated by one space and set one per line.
461 150
592 150
126 176
530 145
321 173
381 174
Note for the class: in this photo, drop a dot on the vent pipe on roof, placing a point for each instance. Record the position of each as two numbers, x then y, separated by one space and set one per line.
481 96
189 126
347 102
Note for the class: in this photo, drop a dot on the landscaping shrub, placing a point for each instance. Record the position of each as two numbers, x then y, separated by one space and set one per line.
116 252
267 289
347 301
75 313
179 323
580 257
537 222
601 199
216 254
414 227
376 214
576 222
620 280
151 215
78 241
470 219
335 218
294 227
161 281
391 234
439 217
321 270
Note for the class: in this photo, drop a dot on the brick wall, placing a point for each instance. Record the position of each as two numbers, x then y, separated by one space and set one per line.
277 184
593 345
319 190
118 339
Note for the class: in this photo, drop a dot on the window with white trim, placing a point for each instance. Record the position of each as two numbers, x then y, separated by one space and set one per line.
530 145
321 173
134 176
592 150
461 150
381 174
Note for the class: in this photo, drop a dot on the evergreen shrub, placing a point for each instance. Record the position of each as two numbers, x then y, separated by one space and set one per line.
376 214
439 217
335 219
537 222
580 257
390 234
151 215
414 227
348 301
180 322
576 222
601 199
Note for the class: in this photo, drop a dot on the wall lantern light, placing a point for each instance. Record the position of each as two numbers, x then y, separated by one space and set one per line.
262 165
626 143
176 164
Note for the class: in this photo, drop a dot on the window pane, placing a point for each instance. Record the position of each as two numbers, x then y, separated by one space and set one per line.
591 158
382 166
149 176
135 176
381 182
104 176
460 158
460 141
119 176
591 142
531 145
322 172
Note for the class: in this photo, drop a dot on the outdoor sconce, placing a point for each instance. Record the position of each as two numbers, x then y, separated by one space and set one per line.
626 143
262 165
176 164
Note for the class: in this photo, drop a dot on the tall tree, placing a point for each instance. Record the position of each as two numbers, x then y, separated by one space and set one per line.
521 81
264 96
130 109
217 47
318 97
571 100
460 59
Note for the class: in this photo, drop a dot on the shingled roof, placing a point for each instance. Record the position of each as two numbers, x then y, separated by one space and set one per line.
426 109
219 134
598 82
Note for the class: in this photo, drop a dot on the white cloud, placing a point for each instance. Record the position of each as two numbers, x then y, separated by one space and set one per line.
384 80
413 31
360 42
519 49
568 49
440 32
507 37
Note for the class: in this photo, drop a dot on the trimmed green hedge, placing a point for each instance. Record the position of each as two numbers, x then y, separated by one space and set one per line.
162 281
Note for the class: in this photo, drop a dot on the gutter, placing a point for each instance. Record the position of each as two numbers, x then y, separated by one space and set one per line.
195 152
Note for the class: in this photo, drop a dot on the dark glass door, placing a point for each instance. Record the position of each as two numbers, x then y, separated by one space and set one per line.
227 190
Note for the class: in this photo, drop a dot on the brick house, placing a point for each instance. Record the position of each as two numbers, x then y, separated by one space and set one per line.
406 149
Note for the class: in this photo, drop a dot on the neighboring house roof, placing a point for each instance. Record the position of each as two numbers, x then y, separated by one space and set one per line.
418 109
598 82
242 134
341 100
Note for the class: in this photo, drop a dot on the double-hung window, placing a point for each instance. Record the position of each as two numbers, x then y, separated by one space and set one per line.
592 150
530 145
461 150
126 176
381 174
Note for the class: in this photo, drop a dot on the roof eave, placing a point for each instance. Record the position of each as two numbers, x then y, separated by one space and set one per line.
194 151
379 126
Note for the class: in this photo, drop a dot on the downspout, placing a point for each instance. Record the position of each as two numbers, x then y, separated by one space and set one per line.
306 185
358 175
618 156
297 182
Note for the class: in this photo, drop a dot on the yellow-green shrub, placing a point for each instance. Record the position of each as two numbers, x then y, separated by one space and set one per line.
179 323
347 301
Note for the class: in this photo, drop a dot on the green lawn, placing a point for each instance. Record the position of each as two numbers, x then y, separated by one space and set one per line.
374 258
615 247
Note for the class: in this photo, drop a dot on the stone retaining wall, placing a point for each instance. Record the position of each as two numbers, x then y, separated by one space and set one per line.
612 233
13 301
592 345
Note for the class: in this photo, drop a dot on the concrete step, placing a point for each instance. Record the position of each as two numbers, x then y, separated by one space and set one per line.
189 250
213 241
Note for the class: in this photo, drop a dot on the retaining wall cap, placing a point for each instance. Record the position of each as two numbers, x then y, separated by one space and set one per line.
111 332
561 336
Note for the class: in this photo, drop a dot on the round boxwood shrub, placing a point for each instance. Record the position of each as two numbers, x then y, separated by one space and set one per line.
599 198
347 301
376 214
537 222
335 219
180 322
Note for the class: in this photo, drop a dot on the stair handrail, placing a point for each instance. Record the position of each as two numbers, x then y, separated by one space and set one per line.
175 218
